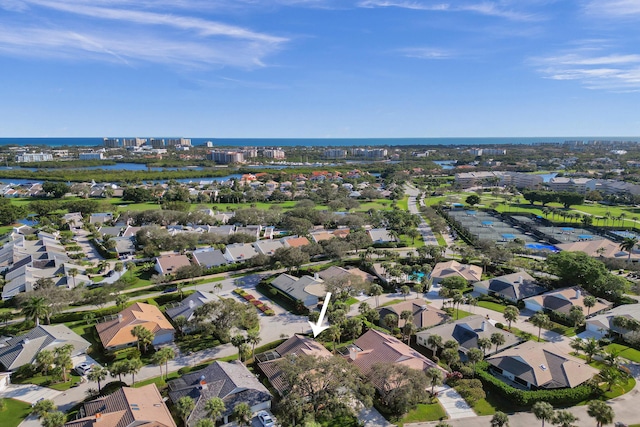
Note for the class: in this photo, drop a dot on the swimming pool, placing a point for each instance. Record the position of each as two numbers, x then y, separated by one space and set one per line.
540 247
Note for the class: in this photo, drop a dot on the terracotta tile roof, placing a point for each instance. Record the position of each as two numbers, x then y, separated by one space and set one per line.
297 242
599 248
295 345
117 332
377 347
454 268
141 406
424 315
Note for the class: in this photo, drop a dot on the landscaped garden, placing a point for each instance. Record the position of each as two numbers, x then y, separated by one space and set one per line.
13 412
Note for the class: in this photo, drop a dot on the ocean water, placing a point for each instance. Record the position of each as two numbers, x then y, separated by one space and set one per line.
325 142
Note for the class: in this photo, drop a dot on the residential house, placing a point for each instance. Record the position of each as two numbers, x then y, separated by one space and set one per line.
223 230
374 347
295 242
442 270
209 257
511 287
535 365
239 252
299 289
100 217
230 381
116 333
268 362
188 306
169 264
268 247
602 324
600 248
251 230
381 235
424 315
338 272
126 407
466 332
23 349
125 245
561 300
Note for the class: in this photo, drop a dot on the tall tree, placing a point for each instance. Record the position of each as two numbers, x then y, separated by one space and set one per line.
35 308
434 377
589 301
500 419
628 244
564 419
44 360
497 339
601 412
253 338
543 411
62 359
133 366
539 320
474 356
375 291
184 407
162 357
54 419
42 407
242 414
214 408
511 314
434 341
484 344
97 374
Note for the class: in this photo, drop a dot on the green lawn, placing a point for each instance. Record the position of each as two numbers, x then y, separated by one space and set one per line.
404 203
619 390
624 351
492 306
14 412
460 314
424 412
46 381
567 331
483 407
393 301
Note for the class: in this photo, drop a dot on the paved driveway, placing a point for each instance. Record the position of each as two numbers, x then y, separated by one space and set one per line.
29 393
453 403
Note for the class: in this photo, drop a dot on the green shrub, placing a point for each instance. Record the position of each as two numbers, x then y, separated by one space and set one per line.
563 396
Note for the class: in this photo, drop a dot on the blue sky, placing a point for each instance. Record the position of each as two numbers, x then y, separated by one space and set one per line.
319 68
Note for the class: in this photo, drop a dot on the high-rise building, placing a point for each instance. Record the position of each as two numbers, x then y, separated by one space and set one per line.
226 157
111 142
133 142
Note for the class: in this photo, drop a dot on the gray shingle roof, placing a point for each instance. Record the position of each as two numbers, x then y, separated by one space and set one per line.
230 381
187 306
23 349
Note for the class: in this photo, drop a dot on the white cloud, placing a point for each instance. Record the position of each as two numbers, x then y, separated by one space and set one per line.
593 69
130 36
496 9
613 8
426 53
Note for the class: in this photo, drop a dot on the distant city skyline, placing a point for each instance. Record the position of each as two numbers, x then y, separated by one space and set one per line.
319 68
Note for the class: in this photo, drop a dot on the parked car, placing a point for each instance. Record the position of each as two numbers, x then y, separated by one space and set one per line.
265 419
83 369
169 290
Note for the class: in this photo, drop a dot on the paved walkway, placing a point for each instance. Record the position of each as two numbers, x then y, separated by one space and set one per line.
453 403
424 229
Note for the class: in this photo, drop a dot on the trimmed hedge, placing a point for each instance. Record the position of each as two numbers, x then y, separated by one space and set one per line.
564 396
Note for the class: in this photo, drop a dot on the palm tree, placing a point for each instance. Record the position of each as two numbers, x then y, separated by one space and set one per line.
121 300
97 374
44 360
375 291
214 408
242 413
54 419
484 344
540 320
405 290
627 245
333 334
564 419
434 376
589 301
590 348
133 367
474 356
497 339
73 272
602 412
184 407
162 357
253 338
35 308
610 376
511 314
543 411
435 342
500 419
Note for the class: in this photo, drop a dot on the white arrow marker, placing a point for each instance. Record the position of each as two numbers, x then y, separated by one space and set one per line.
317 327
